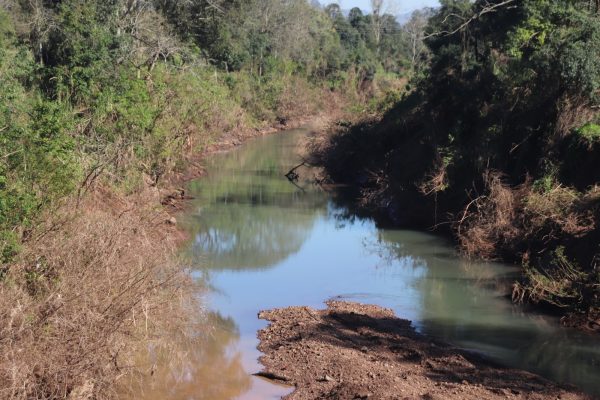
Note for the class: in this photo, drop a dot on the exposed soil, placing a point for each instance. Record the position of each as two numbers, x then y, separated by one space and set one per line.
356 351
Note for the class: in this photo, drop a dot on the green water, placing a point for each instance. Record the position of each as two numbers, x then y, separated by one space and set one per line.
260 242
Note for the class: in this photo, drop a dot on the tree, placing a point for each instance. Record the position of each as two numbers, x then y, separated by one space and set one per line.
355 17
379 9
334 11
415 32
376 6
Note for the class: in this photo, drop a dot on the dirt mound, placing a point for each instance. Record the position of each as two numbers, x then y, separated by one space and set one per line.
356 351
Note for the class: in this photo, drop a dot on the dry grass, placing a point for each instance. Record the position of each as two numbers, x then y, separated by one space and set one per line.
83 301
505 216
572 113
559 283
538 226
436 181
297 100
558 212
488 221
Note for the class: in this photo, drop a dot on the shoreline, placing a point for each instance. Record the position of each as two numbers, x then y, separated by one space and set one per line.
169 202
358 351
172 194
103 270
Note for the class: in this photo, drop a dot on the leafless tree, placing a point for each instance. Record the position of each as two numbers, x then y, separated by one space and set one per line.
415 30
594 5
466 20
377 6
288 25
34 21
152 39
379 9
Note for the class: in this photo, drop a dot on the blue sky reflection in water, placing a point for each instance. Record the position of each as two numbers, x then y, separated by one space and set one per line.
260 242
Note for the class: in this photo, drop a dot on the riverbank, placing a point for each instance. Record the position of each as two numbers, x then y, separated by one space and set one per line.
101 119
356 351
232 139
103 271
549 229
497 143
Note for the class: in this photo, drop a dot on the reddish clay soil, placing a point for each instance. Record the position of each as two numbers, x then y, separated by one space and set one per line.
356 351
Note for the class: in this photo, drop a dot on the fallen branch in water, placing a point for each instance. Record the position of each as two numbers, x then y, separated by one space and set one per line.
292 175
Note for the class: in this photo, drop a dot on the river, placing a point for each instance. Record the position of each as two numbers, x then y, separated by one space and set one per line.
259 242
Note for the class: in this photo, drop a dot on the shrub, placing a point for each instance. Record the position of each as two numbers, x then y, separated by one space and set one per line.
80 305
590 133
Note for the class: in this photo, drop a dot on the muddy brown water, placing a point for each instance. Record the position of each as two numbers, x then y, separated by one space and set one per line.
260 242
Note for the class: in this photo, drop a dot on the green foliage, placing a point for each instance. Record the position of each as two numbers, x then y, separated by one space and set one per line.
589 132
80 56
321 43
37 165
118 90
512 92
545 184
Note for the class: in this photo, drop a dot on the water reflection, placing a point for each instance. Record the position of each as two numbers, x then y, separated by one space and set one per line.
248 216
260 242
199 369
465 303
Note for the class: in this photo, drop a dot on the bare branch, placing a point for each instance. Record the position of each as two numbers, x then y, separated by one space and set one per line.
485 10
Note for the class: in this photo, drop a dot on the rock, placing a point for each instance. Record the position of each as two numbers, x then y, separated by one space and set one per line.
172 221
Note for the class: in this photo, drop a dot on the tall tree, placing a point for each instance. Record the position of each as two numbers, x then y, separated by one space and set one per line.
415 32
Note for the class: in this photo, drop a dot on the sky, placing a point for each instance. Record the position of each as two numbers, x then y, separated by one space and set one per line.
402 6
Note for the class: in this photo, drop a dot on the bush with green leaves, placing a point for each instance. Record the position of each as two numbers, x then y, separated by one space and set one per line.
38 165
121 89
511 92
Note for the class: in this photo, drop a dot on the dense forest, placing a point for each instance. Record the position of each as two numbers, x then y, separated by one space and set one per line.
100 104
119 86
498 142
478 118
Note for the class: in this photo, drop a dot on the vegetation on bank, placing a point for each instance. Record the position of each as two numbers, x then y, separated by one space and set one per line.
119 89
100 102
498 141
